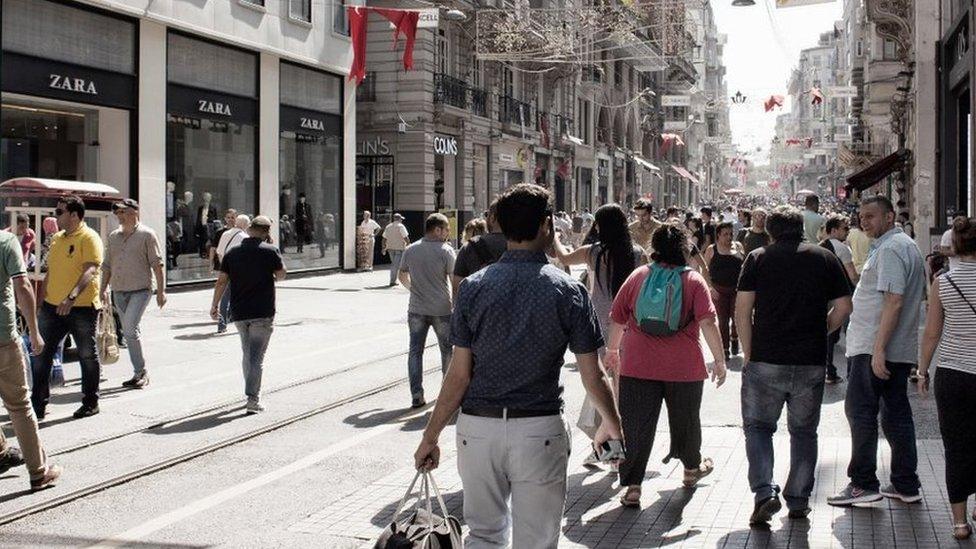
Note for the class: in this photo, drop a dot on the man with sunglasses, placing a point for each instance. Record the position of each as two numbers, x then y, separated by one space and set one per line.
132 260
71 304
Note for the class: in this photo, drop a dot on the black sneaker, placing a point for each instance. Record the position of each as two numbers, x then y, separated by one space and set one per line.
11 458
833 379
799 514
85 411
764 510
138 381
418 402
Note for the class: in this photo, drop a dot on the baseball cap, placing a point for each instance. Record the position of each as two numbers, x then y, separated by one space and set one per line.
397 216
261 221
125 203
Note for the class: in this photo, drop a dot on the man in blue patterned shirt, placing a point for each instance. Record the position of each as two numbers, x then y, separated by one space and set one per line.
512 324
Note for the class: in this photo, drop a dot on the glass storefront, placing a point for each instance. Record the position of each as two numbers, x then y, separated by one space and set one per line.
44 142
310 168
211 149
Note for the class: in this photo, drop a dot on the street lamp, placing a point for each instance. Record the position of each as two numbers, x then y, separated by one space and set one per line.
743 3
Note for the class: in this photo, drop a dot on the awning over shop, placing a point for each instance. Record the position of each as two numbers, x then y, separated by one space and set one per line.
879 170
643 162
685 174
573 139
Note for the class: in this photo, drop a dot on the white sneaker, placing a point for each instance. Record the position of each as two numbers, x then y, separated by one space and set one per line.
254 407
891 492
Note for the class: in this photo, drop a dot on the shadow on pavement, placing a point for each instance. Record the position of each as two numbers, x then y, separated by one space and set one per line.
656 522
198 337
200 423
193 325
45 423
45 540
378 416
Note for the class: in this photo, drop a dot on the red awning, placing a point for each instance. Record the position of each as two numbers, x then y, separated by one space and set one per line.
881 169
685 174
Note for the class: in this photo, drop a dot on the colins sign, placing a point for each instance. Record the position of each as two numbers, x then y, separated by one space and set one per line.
445 145
213 107
78 85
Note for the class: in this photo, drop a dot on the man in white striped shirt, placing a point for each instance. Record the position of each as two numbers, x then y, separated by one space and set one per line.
231 239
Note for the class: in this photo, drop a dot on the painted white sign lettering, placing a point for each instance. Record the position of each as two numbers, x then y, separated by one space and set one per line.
374 147
445 145
213 107
312 124
79 85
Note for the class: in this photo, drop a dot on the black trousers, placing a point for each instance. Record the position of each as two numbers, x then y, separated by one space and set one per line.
955 397
640 406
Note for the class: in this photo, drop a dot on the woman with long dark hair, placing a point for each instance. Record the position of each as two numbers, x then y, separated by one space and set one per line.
656 367
610 259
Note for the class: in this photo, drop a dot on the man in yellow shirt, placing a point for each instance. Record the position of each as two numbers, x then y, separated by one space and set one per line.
859 242
71 304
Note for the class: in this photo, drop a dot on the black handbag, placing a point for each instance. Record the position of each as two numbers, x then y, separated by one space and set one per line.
421 529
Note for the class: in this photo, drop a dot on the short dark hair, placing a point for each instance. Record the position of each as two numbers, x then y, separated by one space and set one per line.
725 225
22 218
522 210
73 204
882 201
747 215
706 210
671 243
812 201
644 204
785 223
835 221
436 221
964 235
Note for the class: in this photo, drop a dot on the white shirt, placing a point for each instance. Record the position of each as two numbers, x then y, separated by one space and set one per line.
395 235
843 251
369 226
946 242
231 239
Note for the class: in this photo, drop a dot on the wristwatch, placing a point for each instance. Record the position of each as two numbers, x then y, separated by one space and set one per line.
73 295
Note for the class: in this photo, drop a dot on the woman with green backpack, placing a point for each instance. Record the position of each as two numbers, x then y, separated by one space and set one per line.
655 349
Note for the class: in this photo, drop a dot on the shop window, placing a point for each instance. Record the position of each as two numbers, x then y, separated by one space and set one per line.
340 19
300 10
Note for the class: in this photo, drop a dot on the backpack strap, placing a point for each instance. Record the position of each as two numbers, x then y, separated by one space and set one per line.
947 277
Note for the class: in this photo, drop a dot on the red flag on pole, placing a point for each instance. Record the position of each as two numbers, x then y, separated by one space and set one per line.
404 22
774 101
357 32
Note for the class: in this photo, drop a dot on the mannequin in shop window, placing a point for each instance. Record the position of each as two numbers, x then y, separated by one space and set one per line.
205 214
304 222
170 201
184 216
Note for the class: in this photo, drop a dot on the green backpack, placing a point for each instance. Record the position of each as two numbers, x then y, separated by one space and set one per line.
658 307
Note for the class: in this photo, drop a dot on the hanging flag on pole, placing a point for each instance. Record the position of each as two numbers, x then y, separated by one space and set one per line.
404 22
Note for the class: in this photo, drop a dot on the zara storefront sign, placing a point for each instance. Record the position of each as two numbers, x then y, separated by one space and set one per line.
213 107
312 124
446 146
78 85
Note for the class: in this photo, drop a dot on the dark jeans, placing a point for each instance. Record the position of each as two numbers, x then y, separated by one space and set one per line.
725 311
867 395
80 323
955 397
640 406
765 389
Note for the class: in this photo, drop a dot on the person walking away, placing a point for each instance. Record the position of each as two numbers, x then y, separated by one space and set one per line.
949 327
230 239
784 333
859 242
668 367
609 261
365 242
642 229
511 328
13 374
133 257
882 347
724 260
395 240
837 230
481 251
71 304
425 270
250 270
812 220
755 237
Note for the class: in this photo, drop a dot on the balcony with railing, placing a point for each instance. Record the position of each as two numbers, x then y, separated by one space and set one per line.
479 101
513 111
450 91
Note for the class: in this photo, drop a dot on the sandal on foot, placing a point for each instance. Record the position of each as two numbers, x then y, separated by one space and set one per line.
692 476
631 497
962 531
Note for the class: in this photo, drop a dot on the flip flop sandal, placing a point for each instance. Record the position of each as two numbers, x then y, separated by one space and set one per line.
631 497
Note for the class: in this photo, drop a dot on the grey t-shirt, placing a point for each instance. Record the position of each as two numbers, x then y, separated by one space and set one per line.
429 263
894 265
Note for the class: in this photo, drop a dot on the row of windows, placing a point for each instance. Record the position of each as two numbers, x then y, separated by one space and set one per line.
301 10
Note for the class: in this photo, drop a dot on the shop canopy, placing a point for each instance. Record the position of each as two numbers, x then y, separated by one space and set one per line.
685 174
643 162
34 186
881 169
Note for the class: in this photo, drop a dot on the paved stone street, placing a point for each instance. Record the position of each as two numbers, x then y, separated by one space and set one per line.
334 478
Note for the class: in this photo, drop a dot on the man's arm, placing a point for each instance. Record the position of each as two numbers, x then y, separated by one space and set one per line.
455 284
83 281
934 321
852 272
889 320
404 278
219 287
745 302
453 389
840 309
160 284
24 293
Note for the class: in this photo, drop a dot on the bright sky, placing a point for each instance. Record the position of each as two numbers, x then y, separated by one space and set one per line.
763 46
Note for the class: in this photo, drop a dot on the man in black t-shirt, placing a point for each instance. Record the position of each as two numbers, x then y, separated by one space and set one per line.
708 227
251 270
791 295
480 251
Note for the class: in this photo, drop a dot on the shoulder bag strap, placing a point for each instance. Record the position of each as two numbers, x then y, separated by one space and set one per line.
960 293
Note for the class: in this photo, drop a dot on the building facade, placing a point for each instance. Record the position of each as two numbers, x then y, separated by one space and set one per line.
192 108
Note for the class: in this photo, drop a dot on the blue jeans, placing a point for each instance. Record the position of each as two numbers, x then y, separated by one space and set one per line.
255 334
867 395
80 323
419 326
396 257
765 389
223 316
131 306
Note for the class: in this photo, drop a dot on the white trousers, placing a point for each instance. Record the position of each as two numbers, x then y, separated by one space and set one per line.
522 461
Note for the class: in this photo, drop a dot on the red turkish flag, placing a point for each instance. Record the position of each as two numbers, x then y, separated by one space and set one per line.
405 22
357 32
774 101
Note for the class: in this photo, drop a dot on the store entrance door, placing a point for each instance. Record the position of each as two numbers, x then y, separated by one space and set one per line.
374 193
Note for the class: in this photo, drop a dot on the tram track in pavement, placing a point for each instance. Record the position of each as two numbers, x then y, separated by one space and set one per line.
160 465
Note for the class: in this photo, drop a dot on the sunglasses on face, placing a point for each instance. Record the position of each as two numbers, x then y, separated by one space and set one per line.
59 212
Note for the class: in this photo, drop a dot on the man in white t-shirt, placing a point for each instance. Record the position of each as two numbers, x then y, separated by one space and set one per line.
948 250
837 227
395 240
231 239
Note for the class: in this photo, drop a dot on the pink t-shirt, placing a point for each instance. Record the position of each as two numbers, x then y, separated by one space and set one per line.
677 357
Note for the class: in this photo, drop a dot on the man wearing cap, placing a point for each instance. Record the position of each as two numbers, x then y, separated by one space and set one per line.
251 270
395 240
133 257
